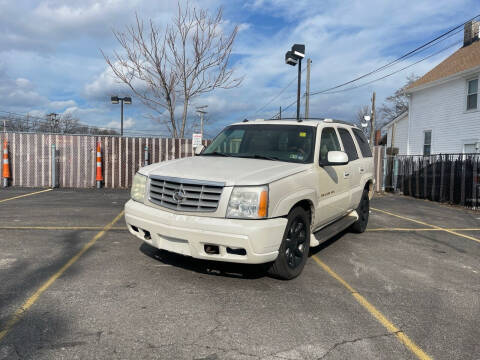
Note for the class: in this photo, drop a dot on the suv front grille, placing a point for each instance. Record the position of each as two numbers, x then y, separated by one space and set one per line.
185 194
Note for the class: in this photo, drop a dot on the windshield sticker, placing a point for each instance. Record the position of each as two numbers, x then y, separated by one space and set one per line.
303 134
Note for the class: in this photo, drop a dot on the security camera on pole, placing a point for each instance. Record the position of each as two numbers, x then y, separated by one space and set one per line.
292 57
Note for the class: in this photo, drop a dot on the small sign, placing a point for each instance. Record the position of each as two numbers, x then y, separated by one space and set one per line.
196 140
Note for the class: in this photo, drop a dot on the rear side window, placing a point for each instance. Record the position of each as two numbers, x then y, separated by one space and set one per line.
362 143
328 142
348 144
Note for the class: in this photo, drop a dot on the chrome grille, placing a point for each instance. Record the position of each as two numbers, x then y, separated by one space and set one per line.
185 194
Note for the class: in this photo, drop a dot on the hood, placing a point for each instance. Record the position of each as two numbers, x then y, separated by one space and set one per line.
230 170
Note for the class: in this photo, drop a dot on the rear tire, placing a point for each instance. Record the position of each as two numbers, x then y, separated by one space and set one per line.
363 211
293 252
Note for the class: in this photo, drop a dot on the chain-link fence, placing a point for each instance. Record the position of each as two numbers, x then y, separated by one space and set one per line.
30 158
452 178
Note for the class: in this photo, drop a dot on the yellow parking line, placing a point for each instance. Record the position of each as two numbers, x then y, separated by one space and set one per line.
59 228
426 224
422 229
31 300
401 336
29 194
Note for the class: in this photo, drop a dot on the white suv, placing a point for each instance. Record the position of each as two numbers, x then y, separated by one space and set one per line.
263 191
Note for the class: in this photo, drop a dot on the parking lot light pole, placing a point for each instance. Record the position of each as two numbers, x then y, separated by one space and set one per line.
294 57
116 100
201 111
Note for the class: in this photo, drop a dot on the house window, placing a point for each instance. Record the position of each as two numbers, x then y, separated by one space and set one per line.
472 94
427 142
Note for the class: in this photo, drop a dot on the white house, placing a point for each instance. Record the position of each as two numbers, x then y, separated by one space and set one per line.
444 107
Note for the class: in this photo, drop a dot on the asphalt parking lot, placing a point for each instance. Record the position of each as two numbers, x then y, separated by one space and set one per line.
74 284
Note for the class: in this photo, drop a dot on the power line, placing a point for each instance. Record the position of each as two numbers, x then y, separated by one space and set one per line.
394 72
377 79
404 56
276 96
409 54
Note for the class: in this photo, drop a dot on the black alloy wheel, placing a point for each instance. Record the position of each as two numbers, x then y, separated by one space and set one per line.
363 210
295 246
295 242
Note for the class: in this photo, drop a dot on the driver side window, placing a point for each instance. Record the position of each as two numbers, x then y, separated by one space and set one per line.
328 142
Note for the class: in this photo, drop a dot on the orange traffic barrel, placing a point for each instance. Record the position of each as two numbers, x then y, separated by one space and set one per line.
99 166
6 165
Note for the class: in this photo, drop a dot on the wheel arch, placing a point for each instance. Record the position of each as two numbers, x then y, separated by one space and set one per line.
369 186
308 206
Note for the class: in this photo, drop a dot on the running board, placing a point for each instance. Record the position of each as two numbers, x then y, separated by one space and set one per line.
333 229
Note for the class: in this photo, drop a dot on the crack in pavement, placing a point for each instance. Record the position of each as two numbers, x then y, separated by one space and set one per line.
341 343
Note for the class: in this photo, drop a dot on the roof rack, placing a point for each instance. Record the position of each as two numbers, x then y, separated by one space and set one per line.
307 119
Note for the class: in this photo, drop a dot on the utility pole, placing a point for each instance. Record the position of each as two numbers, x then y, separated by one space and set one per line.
307 93
280 113
372 122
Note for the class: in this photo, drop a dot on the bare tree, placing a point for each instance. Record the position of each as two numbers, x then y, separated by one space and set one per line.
176 63
69 124
397 103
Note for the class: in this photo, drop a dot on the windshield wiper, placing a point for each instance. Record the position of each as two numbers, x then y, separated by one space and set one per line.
215 153
263 157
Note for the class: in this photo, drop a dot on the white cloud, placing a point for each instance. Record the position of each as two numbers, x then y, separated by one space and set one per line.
244 26
23 83
60 105
104 85
127 124
51 51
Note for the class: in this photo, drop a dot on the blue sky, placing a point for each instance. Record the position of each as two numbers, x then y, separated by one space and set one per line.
50 56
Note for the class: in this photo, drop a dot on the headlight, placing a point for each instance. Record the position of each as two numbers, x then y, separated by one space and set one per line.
138 187
248 202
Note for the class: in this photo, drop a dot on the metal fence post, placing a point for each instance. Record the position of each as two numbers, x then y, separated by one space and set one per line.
474 183
384 168
145 163
54 166
395 173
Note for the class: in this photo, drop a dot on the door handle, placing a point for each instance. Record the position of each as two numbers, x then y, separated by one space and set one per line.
346 174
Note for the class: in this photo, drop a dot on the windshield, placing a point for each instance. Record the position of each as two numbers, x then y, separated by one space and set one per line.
291 143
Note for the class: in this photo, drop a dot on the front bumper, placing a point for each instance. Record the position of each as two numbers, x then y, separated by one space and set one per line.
188 235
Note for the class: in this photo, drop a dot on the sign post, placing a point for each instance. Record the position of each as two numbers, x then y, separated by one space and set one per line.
196 141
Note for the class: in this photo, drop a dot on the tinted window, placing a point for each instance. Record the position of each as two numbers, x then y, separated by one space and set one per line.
362 143
291 143
328 142
348 144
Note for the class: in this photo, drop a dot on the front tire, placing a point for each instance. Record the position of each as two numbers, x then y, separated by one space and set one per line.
363 211
293 252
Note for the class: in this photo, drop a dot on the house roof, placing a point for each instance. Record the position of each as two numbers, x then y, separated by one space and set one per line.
398 118
463 59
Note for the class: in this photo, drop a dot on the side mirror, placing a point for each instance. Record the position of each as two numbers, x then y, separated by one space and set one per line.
199 149
335 158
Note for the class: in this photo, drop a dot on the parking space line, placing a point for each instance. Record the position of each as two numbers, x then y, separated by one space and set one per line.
32 299
401 336
426 224
24 195
421 229
59 228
